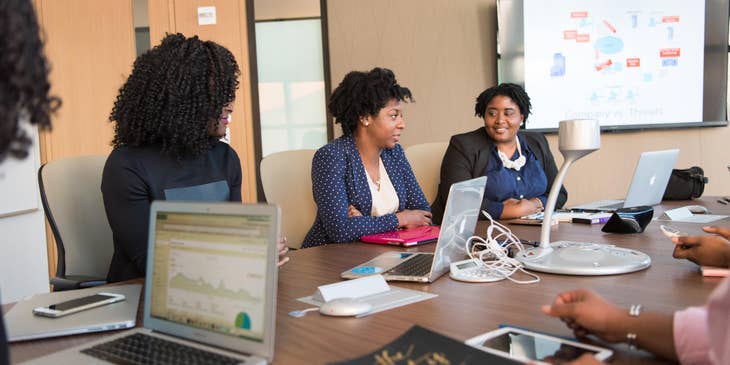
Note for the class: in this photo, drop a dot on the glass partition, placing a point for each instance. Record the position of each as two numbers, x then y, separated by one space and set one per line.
291 85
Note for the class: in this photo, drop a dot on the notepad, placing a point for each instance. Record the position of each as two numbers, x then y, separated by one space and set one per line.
592 218
565 217
423 346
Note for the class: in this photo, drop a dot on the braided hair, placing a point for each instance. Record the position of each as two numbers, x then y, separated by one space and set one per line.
24 86
174 92
364 94
513 91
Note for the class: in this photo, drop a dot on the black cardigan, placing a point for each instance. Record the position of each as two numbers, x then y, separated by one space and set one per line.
468 155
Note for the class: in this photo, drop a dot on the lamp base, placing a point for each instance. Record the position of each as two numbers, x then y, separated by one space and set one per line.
583 258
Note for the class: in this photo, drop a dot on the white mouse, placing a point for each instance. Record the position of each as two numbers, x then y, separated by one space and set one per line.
345 307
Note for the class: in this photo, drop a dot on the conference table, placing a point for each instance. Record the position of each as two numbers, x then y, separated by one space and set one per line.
462 310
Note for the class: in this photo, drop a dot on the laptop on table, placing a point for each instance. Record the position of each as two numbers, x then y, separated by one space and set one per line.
210 290
459 222
647 186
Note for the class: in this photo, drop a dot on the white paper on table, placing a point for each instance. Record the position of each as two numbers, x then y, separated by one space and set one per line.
684 215
370 289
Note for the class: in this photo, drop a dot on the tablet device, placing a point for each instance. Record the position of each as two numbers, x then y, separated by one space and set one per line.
525 345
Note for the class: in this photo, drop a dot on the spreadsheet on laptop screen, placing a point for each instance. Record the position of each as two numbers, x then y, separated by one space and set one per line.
209 271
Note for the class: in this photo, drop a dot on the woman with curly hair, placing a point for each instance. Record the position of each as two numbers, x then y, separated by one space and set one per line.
24 87
519 166
362 181
169 117
24 82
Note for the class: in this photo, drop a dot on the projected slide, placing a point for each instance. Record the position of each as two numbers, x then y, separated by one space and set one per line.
620 61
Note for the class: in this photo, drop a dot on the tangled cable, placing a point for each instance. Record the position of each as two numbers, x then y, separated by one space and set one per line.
493 252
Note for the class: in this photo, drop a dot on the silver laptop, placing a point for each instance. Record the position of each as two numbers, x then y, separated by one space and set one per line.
23 325
210 291
458 224
647 187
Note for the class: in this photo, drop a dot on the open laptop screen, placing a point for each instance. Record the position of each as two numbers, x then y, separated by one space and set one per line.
209 272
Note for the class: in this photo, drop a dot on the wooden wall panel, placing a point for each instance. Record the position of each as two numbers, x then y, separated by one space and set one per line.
442 50
445 52
161 15
90 47
607 173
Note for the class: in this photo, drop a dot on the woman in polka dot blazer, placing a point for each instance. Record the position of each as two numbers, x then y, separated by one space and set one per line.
362 182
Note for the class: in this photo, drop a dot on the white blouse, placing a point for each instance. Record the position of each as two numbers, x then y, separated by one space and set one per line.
385 199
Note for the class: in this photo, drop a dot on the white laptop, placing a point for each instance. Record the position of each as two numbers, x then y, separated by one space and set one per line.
647 187
23 325
210 291
458 224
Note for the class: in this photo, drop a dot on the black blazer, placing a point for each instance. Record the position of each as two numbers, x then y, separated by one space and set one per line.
468 155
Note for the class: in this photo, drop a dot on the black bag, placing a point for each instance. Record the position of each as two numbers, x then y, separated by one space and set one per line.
686 184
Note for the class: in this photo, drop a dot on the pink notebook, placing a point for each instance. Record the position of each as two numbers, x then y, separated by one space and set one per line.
405 237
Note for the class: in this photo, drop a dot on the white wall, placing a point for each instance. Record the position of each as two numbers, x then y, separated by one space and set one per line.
24 260
23 250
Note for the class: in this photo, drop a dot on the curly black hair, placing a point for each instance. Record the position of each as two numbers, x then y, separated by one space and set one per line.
24 87
364 94
513 91
175 90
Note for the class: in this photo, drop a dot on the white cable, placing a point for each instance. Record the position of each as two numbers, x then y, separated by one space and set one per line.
494 256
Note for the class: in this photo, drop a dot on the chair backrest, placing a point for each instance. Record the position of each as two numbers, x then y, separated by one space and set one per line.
287 181
425 160
71 194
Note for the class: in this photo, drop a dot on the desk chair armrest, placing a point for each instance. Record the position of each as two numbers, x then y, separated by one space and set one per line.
72 282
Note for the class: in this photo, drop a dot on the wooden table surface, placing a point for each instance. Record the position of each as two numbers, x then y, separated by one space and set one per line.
461 310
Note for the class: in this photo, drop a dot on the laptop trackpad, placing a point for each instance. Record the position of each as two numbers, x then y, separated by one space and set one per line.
381 263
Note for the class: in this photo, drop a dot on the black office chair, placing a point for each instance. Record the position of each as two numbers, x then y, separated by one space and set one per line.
71 195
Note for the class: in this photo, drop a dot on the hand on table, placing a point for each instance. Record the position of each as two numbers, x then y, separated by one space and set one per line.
585 312
514 208
708 250
413 218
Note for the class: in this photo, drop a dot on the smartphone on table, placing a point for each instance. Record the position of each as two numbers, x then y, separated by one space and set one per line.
537 348
78 305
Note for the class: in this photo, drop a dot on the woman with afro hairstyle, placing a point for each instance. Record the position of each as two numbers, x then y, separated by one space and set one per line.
519 166
24 98
362 181
24 85
169 117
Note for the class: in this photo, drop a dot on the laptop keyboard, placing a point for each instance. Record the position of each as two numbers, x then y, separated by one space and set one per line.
416 266
143 349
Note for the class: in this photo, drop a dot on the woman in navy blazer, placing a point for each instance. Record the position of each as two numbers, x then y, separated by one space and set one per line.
362 182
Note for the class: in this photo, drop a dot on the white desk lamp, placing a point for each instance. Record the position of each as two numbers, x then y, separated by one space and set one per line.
578 138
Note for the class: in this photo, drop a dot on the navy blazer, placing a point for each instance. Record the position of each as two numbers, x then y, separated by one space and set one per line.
339 179
468 155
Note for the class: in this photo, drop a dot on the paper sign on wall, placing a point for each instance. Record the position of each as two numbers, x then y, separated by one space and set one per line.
206 15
